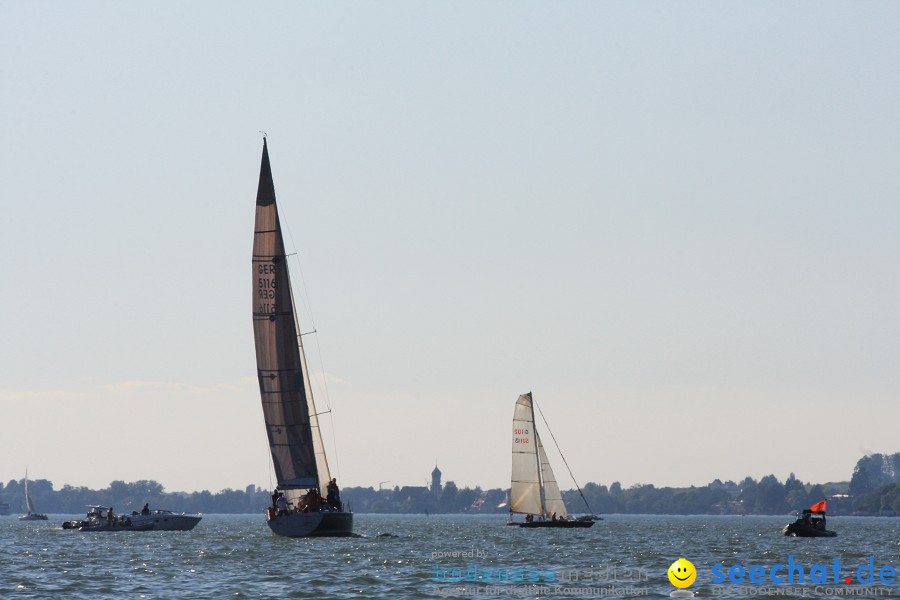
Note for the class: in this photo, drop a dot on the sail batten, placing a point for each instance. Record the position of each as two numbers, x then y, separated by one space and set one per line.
280 366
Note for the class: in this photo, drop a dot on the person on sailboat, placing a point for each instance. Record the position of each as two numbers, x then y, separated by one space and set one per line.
146 509
334 495
282 505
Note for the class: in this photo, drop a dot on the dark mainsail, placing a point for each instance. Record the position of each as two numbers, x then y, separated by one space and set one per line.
280 367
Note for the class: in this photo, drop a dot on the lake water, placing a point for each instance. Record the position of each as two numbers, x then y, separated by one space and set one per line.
236 556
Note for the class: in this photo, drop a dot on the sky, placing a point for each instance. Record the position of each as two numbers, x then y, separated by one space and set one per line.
677 224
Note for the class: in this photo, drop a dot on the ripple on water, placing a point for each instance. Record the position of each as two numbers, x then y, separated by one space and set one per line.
236 556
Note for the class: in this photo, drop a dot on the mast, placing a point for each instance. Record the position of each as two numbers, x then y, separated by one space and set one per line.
537 457
28 506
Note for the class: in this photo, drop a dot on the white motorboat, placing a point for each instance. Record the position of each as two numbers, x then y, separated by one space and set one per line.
165 520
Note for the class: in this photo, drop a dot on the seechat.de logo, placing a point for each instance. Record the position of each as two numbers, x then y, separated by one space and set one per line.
795 572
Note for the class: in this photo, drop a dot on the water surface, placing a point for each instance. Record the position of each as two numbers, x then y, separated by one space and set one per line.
236 556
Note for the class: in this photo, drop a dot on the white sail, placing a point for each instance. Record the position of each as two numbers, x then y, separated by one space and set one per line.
525 495
28 505
553 502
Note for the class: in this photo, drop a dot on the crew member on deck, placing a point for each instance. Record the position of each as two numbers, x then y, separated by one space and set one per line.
334 495
146 509
282 505
312 499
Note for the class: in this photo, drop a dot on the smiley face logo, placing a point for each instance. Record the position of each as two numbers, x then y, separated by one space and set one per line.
682 573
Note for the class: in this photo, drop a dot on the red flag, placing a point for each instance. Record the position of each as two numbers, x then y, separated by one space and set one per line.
818 507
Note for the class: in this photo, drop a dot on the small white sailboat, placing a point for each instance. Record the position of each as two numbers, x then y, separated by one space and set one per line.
295 440
32 515
533 490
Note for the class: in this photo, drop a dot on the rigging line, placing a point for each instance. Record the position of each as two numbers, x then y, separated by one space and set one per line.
563 457
312 322
270 465
308 305
327 394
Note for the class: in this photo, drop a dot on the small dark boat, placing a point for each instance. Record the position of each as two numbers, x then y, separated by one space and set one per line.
807 525
99 519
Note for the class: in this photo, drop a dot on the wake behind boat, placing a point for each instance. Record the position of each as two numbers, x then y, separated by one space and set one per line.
533 490
289 410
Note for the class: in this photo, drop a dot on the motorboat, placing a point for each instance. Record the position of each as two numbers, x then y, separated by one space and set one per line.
808 525
165 520
99 518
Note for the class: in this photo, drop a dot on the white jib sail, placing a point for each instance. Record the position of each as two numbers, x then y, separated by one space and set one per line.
553 501
28 505
525 487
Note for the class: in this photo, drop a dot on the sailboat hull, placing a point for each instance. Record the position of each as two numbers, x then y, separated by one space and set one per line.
313 524
33 517
563 524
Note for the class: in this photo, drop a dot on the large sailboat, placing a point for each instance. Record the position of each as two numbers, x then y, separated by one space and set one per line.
32 515
533 490
295 440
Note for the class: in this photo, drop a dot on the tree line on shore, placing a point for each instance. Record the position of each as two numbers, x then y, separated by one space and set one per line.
874 489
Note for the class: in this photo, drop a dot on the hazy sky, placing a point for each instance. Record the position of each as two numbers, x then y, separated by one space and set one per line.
677 223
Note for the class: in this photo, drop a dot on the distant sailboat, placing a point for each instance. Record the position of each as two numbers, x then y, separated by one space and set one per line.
32 515
533 490
295 440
